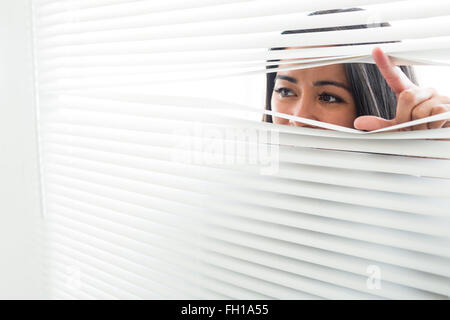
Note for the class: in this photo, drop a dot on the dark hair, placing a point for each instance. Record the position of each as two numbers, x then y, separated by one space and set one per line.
371 93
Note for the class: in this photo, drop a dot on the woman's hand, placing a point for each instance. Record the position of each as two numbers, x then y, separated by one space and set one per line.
413 102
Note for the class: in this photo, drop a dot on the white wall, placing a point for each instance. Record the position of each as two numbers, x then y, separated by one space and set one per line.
19 187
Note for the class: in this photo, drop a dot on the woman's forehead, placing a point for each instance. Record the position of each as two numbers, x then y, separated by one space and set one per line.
330 72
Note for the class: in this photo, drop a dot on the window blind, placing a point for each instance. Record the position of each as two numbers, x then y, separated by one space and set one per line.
154 194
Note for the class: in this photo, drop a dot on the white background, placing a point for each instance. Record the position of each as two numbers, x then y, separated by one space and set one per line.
19 190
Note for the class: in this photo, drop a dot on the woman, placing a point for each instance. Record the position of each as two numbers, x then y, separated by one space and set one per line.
362 96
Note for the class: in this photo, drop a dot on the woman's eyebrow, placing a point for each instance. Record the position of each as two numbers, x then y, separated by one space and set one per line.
287 78
332 83
317 83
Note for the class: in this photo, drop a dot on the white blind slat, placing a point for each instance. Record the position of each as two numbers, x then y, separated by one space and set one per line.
408 259
245 255
153 193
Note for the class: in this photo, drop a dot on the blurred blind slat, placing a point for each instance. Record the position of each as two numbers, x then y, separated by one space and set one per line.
152 192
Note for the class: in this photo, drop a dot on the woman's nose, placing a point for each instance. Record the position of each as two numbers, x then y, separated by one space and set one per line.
304 109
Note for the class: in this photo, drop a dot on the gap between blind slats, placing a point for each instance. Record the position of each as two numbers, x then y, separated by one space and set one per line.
208 111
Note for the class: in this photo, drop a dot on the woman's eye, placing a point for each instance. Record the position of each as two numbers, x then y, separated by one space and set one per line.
329 98
285 92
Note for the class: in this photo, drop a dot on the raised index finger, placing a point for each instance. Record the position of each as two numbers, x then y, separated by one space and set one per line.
394 76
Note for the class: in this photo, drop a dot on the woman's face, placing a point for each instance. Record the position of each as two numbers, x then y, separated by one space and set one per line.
321 93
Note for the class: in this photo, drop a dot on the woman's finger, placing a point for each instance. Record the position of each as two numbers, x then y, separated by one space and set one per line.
394 76
437 110
429 108
370 123
408 100
423 110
